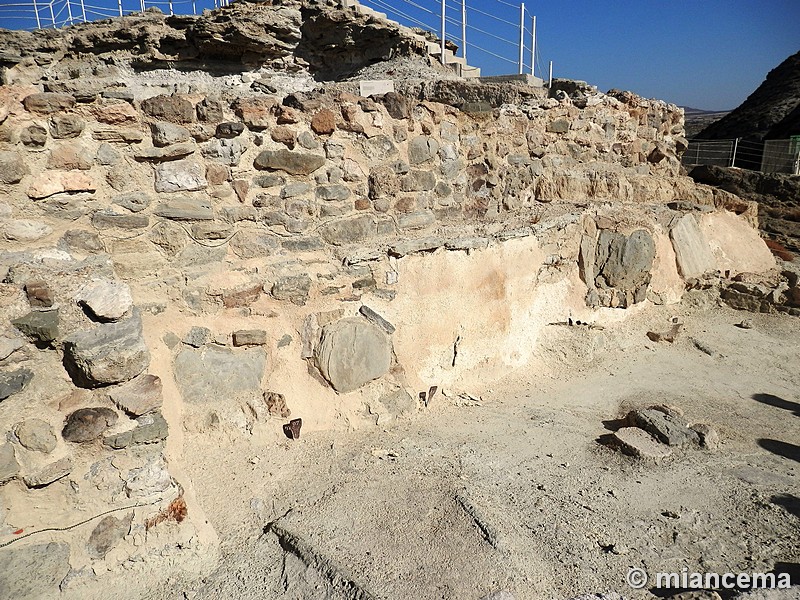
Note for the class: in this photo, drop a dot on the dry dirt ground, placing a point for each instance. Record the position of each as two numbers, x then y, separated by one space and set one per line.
514 492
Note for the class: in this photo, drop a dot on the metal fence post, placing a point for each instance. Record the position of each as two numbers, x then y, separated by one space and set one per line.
119 4
533 47
83 11
464 29
735 148
444 24
52 14
521 38
69 12
36 10
171 12
550 84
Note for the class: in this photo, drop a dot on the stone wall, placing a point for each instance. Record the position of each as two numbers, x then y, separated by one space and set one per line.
182 265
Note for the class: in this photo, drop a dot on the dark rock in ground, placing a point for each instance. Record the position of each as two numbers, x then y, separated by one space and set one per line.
150 429
13 382
107 534
669 429
139 395
88 424
39 326
276 404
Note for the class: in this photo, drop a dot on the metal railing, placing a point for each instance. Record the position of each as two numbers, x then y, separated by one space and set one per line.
494 30
770 156
43 14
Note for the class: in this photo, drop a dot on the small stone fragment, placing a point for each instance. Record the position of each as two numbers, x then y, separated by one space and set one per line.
9 467
292 429
197 336
88 424
669 336
746 324
276 405
39 294
709 436
376 319
670 429
250 337
324 122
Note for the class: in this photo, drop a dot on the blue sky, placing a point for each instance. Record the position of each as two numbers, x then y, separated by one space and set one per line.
708 54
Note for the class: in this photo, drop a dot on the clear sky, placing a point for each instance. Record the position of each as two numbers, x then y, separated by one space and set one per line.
707 54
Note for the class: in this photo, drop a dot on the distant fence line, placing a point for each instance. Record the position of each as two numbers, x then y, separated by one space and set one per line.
60 13
770 156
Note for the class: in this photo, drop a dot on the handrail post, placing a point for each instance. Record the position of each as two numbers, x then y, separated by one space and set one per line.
119 4
533 48
444 24
735 148
52 14
521 38
69 12
83 11
38 20
550 84
464 29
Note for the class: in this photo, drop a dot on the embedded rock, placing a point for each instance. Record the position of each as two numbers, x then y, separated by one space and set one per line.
213 374
150 429
106 300
138 396
26 230
180 176
39 326
36 435
175 109
66 126
166 134
58 182
88 424
13 382
294 288
186 209
107 534
49 474
49 561
639 443
9 467
296 163
45 103
353 352
668 428
106 354
12 167
691 248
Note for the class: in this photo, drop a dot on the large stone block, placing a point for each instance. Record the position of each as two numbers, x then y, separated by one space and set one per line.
297 163
107 354
349 231
57 182
66 126
12 167
186 209
353 352
691 248
45 103
175 109
181 176
217 375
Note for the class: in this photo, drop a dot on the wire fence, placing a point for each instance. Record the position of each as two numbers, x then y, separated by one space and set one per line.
770 156
497 35
44 14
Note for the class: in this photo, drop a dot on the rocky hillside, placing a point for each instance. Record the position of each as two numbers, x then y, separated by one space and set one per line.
287 35
765 109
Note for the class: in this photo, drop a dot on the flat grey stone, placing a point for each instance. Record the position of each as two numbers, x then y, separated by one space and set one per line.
353 352
669 429
186 209
13 382
250 337
376 319
133 201
150 429
166 134
218 375
49 562
294 288
39 326
8 346
49 474
109 353
37 435
350 230
140 395
422 149
197 336
12 167
107 534
637 442
107 219
9 467
297 163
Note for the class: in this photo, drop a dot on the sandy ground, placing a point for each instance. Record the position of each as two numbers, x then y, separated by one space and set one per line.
514 492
